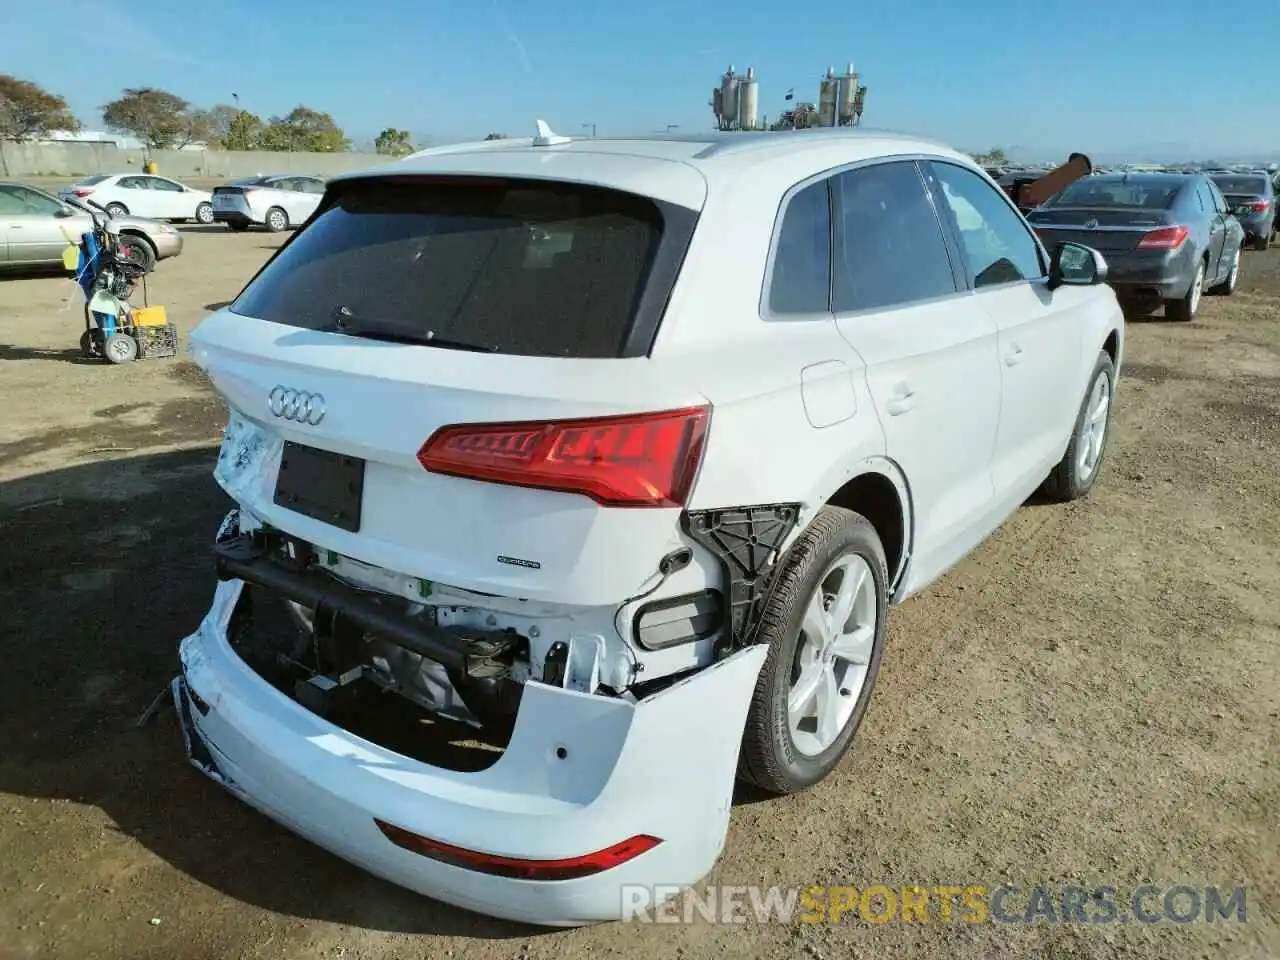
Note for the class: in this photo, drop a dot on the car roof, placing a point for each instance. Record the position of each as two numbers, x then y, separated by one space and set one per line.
1169 178
677 168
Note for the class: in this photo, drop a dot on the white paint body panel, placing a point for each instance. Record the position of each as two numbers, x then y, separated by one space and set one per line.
920 395
328 785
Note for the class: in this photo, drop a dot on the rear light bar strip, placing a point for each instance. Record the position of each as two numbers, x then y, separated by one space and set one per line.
515 868
1165 238
634 460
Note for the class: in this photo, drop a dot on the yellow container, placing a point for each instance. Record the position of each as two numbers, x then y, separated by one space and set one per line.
149 317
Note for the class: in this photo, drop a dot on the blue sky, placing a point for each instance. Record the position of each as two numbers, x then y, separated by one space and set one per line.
1108 77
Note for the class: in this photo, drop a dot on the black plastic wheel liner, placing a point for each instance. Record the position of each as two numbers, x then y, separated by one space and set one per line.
746 540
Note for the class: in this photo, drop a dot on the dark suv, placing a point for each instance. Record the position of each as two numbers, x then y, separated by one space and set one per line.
1252 198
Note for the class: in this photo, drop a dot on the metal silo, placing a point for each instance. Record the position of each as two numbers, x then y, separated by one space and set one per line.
828 93
748 101
717 107
848 97
729 95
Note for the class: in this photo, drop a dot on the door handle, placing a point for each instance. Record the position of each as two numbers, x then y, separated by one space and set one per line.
902 401
1015 356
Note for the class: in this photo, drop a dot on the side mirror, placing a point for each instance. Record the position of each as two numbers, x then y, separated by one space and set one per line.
1075 265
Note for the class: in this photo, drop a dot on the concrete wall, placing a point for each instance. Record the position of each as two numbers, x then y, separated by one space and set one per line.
82 159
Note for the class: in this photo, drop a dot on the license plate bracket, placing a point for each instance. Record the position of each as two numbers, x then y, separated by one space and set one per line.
321 484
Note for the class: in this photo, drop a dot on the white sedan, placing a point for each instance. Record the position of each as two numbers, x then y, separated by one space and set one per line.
621 452
144 195
276 201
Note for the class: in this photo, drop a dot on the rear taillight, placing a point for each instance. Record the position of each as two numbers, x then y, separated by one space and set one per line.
637 460
1166 238
1260 206
82 191
516 868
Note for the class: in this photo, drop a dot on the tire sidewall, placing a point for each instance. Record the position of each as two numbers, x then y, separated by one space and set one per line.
1078 487
857 536
204 213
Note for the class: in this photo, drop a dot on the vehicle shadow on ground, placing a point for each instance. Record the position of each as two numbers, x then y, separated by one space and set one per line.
10 351
106 567
110 566
10 274
216 305
220 228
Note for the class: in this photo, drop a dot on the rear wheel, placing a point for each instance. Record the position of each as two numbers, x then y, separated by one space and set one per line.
1185 309
117 210
204 213
277 220
825 627
1261 242
1228 286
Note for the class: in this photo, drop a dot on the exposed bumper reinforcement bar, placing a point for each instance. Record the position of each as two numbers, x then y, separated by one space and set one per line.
474 652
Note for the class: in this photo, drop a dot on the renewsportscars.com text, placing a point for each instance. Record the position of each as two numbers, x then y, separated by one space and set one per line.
972 903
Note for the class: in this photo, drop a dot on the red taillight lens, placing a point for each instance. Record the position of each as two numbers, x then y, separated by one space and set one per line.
516 868
1166 238
638 460
82 191
1260 206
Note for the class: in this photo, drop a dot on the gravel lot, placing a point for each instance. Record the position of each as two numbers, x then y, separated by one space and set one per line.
1091 698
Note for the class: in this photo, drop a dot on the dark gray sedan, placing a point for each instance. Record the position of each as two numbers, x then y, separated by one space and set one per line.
1167 237
1253 201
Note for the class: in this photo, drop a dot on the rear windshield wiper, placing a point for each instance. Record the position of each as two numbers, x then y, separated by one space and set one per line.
345 321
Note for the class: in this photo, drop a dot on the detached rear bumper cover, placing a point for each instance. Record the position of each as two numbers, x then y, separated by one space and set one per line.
581 774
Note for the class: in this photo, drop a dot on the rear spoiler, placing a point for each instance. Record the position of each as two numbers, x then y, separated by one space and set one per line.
1028 193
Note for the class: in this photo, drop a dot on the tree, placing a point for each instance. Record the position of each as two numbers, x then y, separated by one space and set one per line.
156 117
394 142
28 110
304 130
219 119
244 132
198 126
992 158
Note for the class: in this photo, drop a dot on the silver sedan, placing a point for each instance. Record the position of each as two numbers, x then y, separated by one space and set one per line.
35 229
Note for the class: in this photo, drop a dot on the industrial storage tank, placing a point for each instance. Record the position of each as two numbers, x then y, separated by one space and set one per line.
729 94
848 96
748 101
828 93
717 107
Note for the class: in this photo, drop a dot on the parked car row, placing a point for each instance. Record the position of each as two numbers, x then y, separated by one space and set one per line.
275 201
36 227
1168 238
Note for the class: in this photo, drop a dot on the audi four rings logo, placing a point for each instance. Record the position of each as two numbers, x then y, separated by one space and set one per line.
296 405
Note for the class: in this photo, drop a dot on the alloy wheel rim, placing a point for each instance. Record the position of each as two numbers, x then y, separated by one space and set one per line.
1093 430
1196 288
118 349
833 654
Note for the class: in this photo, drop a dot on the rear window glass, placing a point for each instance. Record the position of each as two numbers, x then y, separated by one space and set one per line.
1090 192
90 181
513 267
1250 185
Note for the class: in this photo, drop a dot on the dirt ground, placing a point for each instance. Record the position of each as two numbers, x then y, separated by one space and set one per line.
1090 698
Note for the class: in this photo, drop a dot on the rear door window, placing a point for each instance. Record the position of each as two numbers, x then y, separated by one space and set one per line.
890 249
503 266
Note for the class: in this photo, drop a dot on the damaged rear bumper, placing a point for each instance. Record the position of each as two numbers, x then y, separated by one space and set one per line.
581 774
